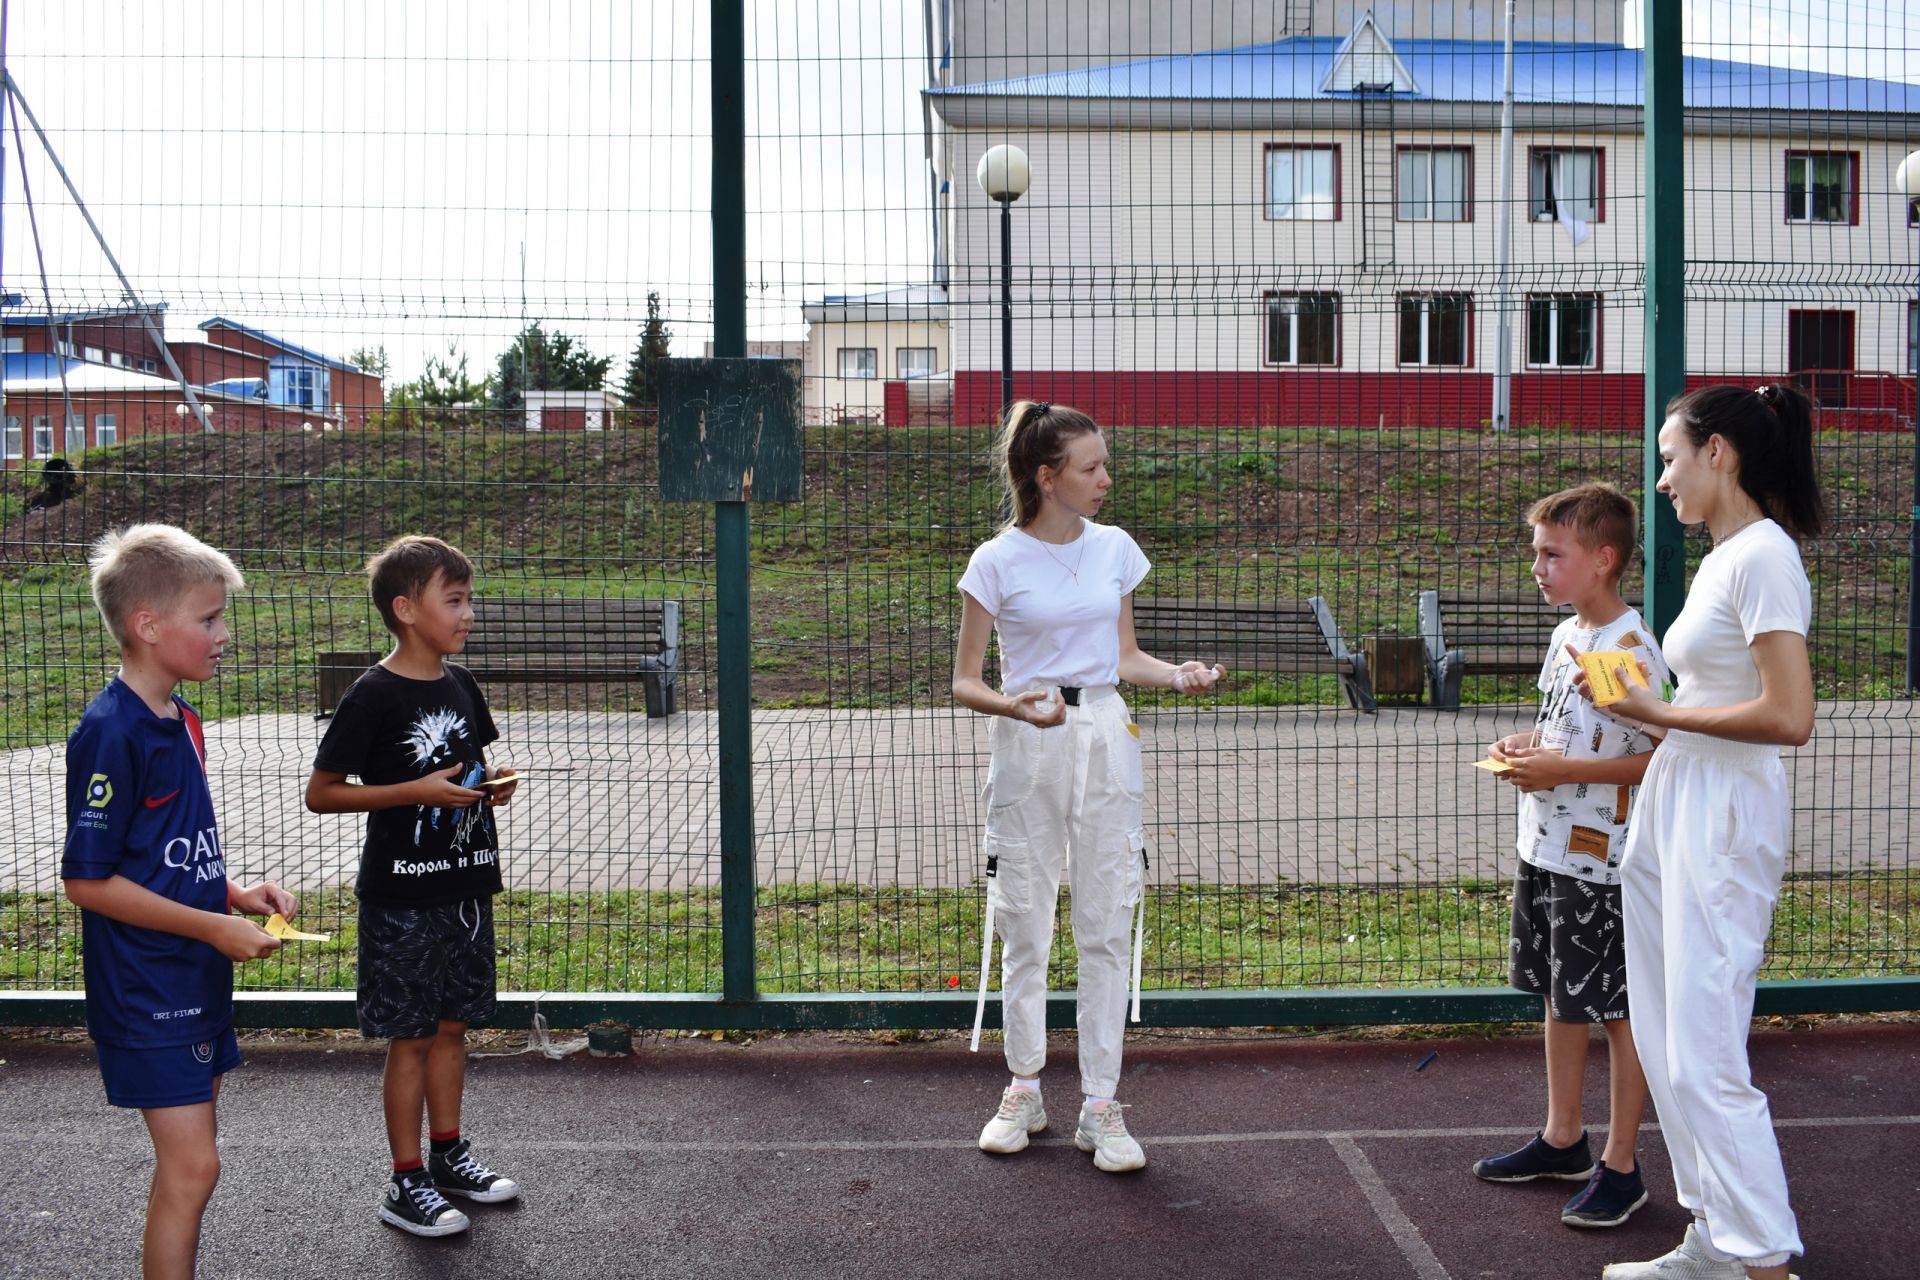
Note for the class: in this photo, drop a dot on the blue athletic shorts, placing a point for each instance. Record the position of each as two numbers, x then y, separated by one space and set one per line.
179 1075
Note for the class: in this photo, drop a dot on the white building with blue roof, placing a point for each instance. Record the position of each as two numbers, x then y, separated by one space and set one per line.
1303 230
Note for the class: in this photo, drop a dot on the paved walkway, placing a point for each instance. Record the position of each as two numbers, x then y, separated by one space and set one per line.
1234 795
805 1157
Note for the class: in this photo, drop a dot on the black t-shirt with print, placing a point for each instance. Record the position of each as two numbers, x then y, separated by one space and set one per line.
389 728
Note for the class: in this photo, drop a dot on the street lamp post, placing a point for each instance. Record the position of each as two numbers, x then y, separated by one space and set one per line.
1907 181
1004 176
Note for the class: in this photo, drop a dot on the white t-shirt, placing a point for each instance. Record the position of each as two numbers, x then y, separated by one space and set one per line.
1580 828
1748 585
1056 608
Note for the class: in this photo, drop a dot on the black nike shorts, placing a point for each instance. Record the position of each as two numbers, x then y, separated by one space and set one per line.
1568 945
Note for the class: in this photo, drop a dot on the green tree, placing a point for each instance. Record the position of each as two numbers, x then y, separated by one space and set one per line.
444 384
642 386
551 362
372 359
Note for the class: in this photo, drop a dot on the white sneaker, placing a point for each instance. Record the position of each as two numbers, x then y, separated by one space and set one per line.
1104 1132
1689 1262
1020 1114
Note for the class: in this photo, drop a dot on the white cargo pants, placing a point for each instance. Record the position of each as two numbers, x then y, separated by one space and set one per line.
1698 880
1066 797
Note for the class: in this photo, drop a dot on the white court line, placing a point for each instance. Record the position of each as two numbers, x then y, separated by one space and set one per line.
1412 1246
239 1130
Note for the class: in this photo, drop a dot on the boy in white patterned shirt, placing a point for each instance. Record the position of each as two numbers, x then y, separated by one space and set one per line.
1577 772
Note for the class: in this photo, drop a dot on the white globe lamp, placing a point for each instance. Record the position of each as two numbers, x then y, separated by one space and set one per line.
1004 173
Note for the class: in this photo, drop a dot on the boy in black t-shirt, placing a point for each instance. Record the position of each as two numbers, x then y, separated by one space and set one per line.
414 729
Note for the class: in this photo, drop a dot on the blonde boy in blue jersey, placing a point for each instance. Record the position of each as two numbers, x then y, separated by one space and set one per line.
144 864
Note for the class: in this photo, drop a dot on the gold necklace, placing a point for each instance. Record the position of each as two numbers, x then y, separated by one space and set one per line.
1742 527
1073 570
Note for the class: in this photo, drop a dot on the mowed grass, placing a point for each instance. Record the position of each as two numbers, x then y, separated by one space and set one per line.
841 938
853 587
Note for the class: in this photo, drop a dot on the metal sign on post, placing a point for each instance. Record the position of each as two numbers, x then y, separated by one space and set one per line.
730 430
730 435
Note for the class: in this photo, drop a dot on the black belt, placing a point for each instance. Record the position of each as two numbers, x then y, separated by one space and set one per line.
1070 694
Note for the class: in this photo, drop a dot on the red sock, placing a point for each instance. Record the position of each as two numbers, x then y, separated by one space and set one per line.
443 1141
412 1166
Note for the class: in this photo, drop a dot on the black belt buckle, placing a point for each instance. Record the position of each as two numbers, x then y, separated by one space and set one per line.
1070 694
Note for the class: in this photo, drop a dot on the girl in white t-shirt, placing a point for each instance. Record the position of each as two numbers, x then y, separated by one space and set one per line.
1708 843
1066 772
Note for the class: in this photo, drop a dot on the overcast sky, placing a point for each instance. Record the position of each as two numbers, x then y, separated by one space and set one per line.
351 172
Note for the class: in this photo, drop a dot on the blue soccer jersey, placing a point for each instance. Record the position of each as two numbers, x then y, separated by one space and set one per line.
138 806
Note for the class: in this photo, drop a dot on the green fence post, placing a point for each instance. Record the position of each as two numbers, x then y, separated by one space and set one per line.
732 569
1666 293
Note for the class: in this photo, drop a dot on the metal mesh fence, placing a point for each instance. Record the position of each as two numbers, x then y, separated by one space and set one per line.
417 264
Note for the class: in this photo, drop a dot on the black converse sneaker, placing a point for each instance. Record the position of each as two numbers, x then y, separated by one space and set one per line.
415 1205
457 1173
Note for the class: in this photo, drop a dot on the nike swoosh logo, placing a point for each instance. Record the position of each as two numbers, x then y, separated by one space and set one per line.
154 802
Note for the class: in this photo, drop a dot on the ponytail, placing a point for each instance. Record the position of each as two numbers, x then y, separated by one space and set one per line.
1034 435
1771 430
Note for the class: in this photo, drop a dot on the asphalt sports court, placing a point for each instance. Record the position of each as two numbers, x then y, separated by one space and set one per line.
841 1157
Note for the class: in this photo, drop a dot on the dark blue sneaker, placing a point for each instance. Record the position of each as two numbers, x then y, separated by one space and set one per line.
1606 1201
1539 1160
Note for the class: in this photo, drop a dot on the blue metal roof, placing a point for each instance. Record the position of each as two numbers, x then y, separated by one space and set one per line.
1456 71
23 366
77 316
260 335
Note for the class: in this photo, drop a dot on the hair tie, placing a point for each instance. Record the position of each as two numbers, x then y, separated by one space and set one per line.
1041 408
1769 393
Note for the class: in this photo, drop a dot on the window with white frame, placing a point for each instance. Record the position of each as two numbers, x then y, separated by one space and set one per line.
1822 186
12 443
61 347
1566 181
915 362
1303 328
295 383
1563 330
1433 184
147 365
96 355
118 359
42 435
859 362
13 346
1303 183
1435 328
106 430
76 433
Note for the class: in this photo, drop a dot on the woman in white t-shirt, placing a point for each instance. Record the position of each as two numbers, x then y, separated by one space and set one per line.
1066 772
1708 844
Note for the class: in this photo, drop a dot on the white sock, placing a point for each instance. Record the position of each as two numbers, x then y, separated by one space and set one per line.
1099 1104
1031 1084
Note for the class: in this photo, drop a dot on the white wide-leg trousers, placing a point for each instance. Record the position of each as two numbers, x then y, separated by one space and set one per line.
1067 798
1699 878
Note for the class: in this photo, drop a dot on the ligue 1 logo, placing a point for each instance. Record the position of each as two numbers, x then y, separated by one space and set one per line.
99 791
203 1052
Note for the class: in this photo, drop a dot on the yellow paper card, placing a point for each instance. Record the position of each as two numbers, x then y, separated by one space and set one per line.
1133 729
1601 666
1493 766
277 926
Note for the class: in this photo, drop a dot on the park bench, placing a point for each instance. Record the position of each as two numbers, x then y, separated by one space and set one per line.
1485 634
1292 636
537 640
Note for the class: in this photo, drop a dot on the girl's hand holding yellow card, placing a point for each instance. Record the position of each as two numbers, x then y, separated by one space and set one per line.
1603 667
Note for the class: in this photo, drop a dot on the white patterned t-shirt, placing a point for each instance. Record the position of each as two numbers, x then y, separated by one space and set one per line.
1579 828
